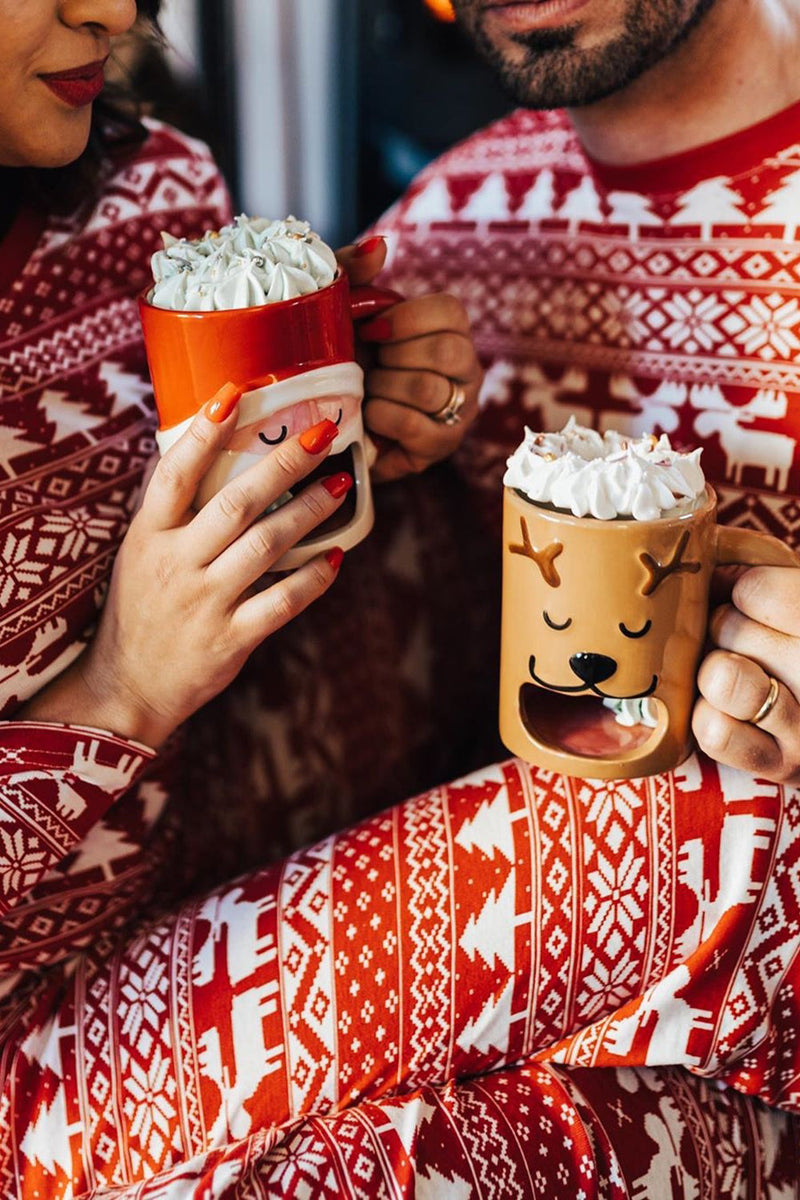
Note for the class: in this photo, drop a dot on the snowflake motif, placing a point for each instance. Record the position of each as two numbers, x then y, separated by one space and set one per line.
765 326
141 990
633 316
21 864
729 1153
613 323
79 531
694 318
604 801
150 1111
20 573
606 988
568 316
618 907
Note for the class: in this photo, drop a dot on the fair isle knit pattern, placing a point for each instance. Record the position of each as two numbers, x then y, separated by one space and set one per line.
663 297
510 986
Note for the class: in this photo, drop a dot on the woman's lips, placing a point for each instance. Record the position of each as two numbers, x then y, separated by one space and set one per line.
79 86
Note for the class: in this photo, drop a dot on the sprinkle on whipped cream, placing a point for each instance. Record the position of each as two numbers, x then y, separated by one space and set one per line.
605 475
249 262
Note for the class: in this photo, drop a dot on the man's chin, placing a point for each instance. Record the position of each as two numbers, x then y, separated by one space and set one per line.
558 77
549 67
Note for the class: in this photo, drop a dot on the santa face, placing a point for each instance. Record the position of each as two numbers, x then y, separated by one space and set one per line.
280 409
262 435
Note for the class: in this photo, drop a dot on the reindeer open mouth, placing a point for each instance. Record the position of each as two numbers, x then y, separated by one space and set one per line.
580 724
573 704
576 718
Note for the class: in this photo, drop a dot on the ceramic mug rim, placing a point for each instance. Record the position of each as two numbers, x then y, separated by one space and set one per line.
706 501
226 313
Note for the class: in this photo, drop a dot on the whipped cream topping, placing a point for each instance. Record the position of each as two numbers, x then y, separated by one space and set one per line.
604 475
252 261
641 711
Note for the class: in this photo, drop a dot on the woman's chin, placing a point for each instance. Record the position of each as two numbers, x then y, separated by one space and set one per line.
55 146
63 154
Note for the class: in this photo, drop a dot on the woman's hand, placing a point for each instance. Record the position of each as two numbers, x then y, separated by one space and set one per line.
758 640
424 358
181 616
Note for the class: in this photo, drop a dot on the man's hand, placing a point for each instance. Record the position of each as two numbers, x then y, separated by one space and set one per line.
423 351
758 640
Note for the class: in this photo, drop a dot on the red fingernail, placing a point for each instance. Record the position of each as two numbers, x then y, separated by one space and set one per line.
338 485
378 330
222 405
369 245
334 557
319 436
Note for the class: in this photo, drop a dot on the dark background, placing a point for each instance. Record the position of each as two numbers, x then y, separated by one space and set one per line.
419 89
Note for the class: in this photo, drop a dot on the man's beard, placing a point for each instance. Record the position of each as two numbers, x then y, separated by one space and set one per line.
556 73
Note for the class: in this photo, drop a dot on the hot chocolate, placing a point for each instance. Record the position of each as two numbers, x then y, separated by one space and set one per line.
605 476
252 261
263 305
608 548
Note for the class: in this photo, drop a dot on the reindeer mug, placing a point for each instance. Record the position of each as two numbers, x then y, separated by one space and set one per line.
596 610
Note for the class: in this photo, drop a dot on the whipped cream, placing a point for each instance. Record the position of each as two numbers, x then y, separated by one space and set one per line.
641 711
604 475
252 261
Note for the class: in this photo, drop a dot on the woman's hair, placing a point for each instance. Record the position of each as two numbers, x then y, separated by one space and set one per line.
115 131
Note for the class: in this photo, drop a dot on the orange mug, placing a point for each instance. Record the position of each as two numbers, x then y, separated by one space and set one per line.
295 363
614 610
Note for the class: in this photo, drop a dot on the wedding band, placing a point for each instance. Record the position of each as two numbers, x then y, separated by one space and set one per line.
450 413
769 703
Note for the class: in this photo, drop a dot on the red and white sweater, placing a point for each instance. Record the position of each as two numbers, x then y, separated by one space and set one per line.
77 807
660 297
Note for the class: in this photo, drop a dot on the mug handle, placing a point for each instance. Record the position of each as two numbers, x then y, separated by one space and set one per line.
367 301
749 548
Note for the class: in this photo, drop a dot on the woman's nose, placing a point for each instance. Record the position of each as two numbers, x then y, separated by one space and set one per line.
112 16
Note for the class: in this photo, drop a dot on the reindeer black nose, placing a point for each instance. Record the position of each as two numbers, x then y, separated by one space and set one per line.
592 668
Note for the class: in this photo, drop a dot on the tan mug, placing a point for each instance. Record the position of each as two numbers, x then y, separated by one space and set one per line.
617 609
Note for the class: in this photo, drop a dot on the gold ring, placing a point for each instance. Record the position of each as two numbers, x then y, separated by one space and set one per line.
450 413
769 703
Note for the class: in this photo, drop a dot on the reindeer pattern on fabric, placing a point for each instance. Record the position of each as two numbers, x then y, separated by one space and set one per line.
487 990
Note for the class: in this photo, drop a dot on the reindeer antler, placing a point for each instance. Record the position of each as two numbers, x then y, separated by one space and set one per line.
542 558
658 572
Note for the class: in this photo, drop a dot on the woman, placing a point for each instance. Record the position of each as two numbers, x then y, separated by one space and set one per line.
293 1033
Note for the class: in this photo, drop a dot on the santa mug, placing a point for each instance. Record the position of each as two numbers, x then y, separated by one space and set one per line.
616 611
294 362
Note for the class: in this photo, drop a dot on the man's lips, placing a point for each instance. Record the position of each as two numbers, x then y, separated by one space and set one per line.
524 16
79 85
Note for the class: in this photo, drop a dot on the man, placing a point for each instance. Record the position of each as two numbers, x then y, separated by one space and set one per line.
634 261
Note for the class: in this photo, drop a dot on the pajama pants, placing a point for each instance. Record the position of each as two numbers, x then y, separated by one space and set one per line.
516 985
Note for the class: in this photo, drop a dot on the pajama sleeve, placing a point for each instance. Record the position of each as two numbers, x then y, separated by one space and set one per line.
56 783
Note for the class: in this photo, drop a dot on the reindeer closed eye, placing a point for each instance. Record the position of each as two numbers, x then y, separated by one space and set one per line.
635 633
